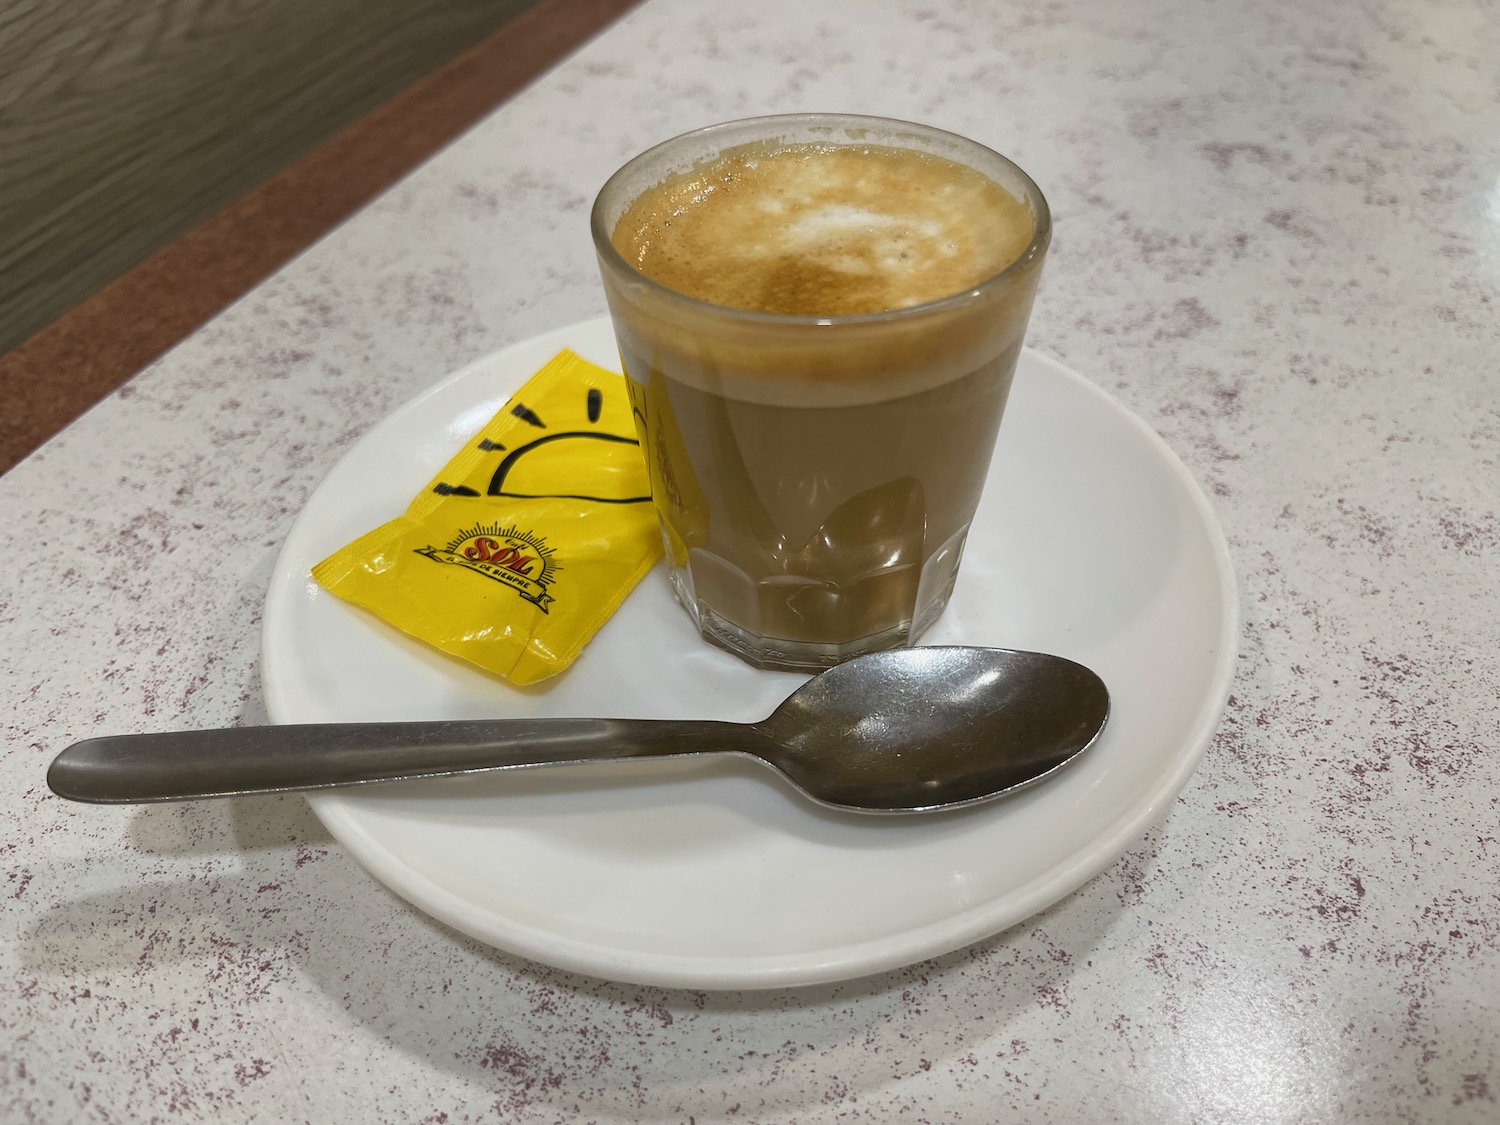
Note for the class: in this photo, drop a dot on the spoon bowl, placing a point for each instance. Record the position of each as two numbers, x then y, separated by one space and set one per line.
921 729
908 730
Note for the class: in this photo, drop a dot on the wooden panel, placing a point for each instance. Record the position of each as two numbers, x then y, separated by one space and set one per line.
125 122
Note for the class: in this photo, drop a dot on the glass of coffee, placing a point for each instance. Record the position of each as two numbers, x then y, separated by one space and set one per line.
819 317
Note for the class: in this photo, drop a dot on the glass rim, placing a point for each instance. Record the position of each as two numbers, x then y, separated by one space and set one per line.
1041 233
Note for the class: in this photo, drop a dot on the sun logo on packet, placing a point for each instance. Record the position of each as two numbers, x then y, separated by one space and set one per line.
519 559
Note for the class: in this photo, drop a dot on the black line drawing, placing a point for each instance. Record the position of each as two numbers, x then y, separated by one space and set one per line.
524 413
594 406
497 482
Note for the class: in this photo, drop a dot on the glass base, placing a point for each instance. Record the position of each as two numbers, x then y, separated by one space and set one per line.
779 654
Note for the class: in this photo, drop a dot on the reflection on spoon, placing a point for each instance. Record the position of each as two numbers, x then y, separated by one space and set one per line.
909 730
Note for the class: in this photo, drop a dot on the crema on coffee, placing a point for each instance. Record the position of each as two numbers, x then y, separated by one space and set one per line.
824 230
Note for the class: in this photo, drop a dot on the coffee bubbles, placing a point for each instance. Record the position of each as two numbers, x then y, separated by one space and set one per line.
824 230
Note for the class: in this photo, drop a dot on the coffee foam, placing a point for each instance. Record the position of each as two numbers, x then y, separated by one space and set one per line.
824 230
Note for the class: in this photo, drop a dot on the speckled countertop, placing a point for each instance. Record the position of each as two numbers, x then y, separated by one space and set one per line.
1278 240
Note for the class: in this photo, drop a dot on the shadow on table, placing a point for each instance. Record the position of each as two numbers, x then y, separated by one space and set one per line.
265 906
259 823
555 1040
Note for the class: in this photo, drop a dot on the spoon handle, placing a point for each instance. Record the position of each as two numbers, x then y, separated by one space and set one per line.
188 765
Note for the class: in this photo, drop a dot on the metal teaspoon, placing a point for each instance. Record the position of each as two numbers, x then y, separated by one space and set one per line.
908 730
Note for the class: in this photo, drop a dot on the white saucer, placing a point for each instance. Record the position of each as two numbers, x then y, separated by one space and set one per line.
1093 542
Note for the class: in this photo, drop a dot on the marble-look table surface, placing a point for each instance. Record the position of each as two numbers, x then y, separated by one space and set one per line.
1277 240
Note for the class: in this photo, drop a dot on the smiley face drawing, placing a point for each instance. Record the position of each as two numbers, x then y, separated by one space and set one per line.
582 457
552 462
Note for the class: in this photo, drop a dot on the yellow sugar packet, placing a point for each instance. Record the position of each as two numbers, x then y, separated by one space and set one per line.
514 555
